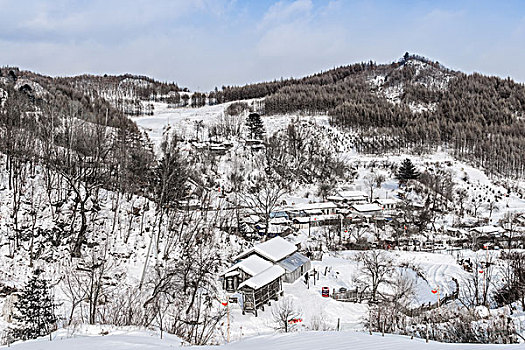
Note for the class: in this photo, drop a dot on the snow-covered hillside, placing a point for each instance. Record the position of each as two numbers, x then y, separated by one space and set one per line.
437 271
414 72
133 244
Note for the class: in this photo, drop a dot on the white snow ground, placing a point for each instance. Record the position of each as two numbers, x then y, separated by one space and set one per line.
148 340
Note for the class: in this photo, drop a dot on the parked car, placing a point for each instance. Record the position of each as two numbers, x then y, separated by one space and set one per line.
325 292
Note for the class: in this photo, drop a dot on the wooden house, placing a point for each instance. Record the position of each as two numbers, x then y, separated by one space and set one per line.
367 210
352 197
309 209
260 271
260 289
387 203
242 271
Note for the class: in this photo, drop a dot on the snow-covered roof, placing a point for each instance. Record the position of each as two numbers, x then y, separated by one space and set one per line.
232 273
252 265
274 250
335 198
326 217
456 229
302 220
313 212
312 206
267 276
277 229
488 229
252 219
278 214
293 262
352 194
279 221
366 207
387 201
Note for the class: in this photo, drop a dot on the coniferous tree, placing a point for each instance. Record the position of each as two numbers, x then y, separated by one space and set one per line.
407 171
255 125
34 315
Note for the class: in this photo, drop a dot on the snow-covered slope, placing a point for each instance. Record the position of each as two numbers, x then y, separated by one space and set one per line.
143 340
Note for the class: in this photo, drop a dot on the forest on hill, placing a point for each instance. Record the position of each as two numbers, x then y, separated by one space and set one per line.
413 103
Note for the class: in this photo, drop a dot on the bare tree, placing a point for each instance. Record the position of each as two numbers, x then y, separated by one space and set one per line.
264 198
182 291
283 312
509 223
513 288
461 197
376 270
475 290
370 184
404 289
491 206
373 181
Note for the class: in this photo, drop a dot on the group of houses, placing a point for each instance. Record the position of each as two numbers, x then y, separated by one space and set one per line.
344 208
259 272
476 237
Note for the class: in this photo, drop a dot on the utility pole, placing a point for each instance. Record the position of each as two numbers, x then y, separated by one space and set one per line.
227 304
485 273
369 318
341 231
436 291
228 313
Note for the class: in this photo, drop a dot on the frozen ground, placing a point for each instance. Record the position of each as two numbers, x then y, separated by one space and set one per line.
147 340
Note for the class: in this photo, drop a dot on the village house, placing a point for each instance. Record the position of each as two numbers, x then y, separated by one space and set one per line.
487 230
387 204
260 289
301 222
243 270
312 209
485 234
371 210
349 197
326 220
259 272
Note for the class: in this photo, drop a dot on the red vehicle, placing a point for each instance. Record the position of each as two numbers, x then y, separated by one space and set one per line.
325 292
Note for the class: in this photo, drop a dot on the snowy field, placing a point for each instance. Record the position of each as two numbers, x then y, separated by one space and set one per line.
134 339
183 119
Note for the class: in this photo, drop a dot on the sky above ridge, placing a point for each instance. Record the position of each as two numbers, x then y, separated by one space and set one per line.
203 44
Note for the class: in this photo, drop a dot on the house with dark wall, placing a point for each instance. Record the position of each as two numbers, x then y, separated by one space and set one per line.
243 270
258 273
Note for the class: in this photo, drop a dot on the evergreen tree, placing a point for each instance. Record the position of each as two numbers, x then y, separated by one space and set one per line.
35 315
407 171
255 125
